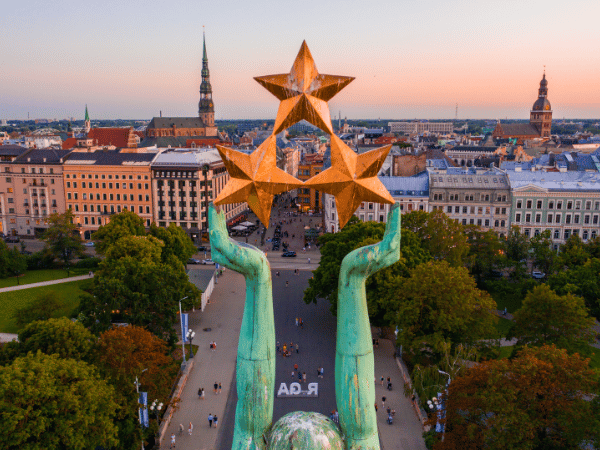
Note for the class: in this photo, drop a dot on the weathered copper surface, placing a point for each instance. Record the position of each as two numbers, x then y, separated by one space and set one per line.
304 93
255 178
352 178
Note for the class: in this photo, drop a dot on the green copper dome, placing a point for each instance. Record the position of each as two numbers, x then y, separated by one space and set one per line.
302 430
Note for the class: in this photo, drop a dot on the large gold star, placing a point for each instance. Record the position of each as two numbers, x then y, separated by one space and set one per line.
352 178
304 93
255 178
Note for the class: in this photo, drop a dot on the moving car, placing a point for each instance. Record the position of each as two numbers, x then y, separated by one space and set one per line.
194 261
210 262
202 248
89 244
537 275
289 254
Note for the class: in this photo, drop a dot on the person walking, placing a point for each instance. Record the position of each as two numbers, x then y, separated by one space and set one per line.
190 428
304 377
216 386
299 376
214 345
201 393
210 420
301 323
309 260
287 283
216 420
383 401
296 321
173 440
219 389
382 381
278 346
297 349
296 366
180 429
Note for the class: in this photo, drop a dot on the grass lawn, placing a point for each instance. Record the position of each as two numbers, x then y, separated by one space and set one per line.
35 276
9 301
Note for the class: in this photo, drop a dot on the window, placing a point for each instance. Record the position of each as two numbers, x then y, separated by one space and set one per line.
517 217
449 209
578 204
556 234
568 218
567 233
588 205
519 204
549 218
68 184
558 205
487 222
527 232
550 204
576 218
595 219
539 204
529 204
569 205
585 235
538 218
527 217
557 218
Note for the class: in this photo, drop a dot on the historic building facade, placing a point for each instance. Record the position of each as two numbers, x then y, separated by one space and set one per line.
309 199
184 182
473 196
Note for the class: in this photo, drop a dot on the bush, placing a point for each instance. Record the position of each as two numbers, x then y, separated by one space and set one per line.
40 260
87 263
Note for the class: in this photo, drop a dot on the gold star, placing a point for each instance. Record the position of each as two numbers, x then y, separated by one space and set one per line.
255 178
352 178
304 93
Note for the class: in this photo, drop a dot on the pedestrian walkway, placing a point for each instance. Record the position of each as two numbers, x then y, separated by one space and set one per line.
45 283
220 322
406 431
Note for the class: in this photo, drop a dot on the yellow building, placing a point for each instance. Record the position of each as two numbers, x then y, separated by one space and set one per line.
310 199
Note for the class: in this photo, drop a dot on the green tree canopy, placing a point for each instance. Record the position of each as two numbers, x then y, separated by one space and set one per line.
176 241
61 336
583 281
438 304
542 399
48 403
543 254
381 286
549 318
62 237
125 223
485 251
517 251
134 286
11 261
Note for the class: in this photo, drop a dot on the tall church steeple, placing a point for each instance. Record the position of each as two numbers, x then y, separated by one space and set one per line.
541 111
206 109
88 124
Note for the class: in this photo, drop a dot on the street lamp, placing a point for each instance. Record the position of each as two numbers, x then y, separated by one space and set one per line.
190 336
442 404
156 407
181 320
137 389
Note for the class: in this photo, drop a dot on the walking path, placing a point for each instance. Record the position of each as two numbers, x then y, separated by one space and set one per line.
45 283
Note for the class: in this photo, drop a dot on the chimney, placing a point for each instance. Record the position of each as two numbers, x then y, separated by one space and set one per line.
44 159
161 113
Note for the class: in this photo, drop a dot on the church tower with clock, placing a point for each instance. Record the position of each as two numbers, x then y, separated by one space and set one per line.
541 112
206 109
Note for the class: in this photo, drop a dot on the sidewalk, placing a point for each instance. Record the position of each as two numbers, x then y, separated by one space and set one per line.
406 433
223 316
45 283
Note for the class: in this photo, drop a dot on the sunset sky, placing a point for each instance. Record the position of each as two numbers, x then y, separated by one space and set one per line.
131 59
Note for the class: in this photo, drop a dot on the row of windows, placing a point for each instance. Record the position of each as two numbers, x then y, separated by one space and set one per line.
75 196
558 204
473 210
33 181
469 197
108 208
103 176
585 235
556 218
484 180
31 170
110 185
182 183
92 220
484 222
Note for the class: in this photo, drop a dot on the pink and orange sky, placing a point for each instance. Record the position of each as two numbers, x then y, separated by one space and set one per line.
411 59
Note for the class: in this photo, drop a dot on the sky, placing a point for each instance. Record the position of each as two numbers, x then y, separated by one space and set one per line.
411 59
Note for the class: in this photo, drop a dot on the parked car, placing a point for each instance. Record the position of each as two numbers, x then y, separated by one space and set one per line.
209 262
289 254
89 244
194 261
202 248
12 239
537 275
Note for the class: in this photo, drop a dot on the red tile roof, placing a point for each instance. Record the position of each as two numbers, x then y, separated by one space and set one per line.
119 137
69 143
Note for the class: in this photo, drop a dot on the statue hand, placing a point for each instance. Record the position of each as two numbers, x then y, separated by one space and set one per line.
371 258
243 258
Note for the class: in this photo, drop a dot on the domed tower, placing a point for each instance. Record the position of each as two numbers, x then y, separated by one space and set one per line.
541 112
206 109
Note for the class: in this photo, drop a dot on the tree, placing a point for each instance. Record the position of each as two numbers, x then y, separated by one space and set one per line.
176 242
125 223
62 237
11 261
542 399
381 286
48 403
439 304
130 351
543 253
583 281
442 237
573 252
485 251
62 337
43 307
134 286
548 318
517 251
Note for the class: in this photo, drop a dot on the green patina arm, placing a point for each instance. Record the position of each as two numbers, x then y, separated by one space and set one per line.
354 363
256 349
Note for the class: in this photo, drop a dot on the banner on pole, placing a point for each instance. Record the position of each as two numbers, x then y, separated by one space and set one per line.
143 400
184 327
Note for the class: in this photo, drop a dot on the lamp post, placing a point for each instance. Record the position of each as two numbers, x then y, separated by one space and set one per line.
442 404
190 336
156 407
137 389
181 320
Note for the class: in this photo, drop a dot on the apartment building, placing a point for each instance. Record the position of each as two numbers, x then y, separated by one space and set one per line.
184 182
310 199
31 188
100 184
421 127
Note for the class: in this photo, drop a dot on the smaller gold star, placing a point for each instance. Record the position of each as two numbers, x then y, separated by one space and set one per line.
352 178
255 178
304 93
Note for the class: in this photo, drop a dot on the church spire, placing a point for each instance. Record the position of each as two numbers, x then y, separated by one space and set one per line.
206 110
87 124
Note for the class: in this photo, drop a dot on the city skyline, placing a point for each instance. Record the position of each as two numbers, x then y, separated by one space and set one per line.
410 60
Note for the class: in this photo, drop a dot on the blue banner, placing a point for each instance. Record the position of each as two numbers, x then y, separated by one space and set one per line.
184 327
143 400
